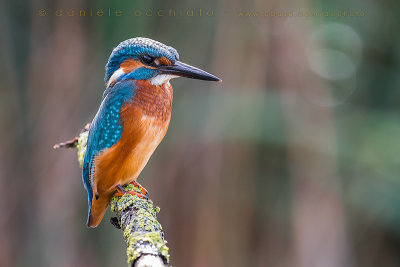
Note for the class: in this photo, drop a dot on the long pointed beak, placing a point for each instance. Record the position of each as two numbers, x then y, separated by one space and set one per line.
185 70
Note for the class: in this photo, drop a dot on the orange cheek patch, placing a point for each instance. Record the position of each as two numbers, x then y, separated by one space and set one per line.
130 65
164 61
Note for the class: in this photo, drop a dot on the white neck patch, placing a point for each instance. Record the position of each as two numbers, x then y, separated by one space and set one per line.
156 80
161 79
115 76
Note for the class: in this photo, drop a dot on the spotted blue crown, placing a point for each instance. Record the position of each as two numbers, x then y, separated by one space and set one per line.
136 47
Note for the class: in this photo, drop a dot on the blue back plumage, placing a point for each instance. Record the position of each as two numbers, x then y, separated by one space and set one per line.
106 129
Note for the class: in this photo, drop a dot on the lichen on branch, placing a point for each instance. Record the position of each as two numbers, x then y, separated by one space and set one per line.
137 218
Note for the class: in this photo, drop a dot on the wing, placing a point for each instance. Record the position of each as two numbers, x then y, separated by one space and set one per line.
105 130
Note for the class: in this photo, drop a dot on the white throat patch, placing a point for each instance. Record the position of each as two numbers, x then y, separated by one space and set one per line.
115 76
161 79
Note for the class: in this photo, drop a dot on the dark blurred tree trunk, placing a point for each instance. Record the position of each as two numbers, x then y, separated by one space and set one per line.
55 70
318 216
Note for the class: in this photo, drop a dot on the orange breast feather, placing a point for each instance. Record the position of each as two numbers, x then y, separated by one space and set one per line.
145 121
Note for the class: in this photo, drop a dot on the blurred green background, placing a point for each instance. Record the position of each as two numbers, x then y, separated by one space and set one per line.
293 160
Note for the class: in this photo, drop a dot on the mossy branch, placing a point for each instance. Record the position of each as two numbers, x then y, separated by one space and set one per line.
136 217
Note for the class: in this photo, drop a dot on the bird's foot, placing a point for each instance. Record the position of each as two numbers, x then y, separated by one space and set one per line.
121 191
140 187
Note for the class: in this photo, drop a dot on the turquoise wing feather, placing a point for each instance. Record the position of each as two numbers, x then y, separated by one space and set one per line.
105 130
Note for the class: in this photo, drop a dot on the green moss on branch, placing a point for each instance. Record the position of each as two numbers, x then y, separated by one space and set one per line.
137 218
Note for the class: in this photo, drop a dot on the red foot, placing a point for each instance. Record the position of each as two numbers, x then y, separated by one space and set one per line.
140 187
121 191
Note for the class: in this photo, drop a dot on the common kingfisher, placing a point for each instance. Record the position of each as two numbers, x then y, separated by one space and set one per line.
132 119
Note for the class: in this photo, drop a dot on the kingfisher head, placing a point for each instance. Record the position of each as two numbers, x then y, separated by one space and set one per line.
145 59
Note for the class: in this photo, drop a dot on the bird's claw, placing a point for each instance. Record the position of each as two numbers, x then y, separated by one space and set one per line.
121 191
140 187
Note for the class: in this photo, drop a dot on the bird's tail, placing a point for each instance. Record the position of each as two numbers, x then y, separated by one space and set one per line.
98 209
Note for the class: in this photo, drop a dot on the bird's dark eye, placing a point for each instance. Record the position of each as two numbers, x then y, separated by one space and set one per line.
146 59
